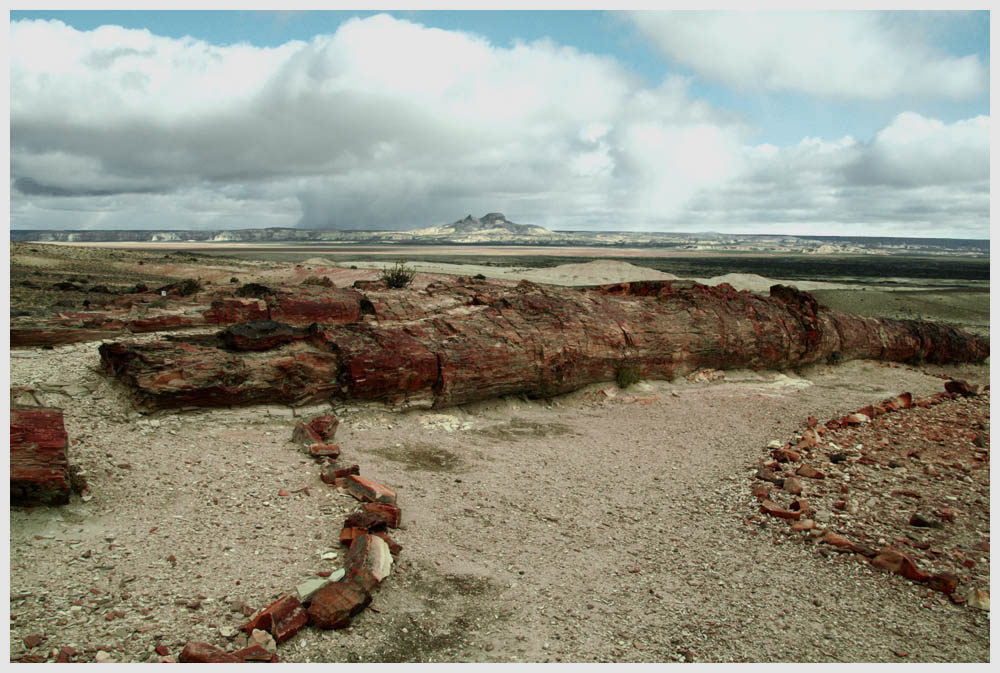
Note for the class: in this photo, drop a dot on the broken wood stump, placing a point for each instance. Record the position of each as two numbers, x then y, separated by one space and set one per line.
39 468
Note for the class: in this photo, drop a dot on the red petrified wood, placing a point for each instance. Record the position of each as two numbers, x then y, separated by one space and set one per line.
39 469
333 606
203 653
368 490
460 344
318 430
282 619
368 561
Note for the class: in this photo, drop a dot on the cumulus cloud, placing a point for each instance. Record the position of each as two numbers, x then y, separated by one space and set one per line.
863 55
916 177
390 124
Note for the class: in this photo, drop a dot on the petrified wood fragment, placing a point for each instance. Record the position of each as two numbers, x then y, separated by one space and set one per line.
531 339
39 470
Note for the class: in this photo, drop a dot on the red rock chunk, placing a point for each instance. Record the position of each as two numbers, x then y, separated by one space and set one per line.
333 606
282 619
946 583
894 561
960 388
774 509
318 430
786 455
389 513
331 451
331 473
256 653
368 490
348 533
365 520
39 468
367 562
234 309
203 653
809 472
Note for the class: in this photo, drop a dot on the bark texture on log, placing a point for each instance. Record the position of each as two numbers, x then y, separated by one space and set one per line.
473 342
39 469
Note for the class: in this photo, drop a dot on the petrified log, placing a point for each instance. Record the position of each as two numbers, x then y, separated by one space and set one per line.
331 306
531 339
39 469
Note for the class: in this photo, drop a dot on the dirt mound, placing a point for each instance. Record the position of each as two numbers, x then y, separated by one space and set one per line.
598 272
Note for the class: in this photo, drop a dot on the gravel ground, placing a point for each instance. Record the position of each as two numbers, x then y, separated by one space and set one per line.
604 525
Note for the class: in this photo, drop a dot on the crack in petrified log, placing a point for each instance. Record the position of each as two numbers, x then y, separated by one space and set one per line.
479 342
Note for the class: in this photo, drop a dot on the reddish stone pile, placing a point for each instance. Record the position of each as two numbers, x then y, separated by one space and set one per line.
332 600
450 344
903 485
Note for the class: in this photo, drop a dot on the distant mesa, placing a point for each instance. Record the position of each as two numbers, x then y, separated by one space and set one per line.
488 224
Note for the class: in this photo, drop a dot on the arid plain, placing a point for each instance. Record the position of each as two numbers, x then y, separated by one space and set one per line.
601 525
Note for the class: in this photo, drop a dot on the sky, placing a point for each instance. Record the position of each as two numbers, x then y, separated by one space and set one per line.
835 123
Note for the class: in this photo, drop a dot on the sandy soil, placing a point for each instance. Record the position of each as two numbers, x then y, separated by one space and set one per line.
604 525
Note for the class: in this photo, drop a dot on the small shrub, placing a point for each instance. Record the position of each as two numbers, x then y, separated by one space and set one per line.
626 374
184 288
255 290
323 281
399 276
234 279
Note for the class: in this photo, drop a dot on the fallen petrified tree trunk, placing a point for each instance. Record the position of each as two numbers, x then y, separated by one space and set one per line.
330 306
39 469
492 340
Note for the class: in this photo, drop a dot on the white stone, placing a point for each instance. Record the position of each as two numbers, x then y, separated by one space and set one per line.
264 639
306 590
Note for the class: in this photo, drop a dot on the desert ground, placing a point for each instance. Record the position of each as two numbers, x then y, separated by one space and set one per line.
605 525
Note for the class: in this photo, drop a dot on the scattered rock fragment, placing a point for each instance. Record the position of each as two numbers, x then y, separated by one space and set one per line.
389 513
368 490
979 599
894 561
921 521
809 472
282 619
776 510
263 640
318 430
333 606
793 485
946 583
329 473
960 388
255 653
368 561
203 653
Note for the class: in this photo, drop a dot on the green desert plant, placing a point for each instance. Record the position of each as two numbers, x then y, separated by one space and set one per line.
398 276
626 374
